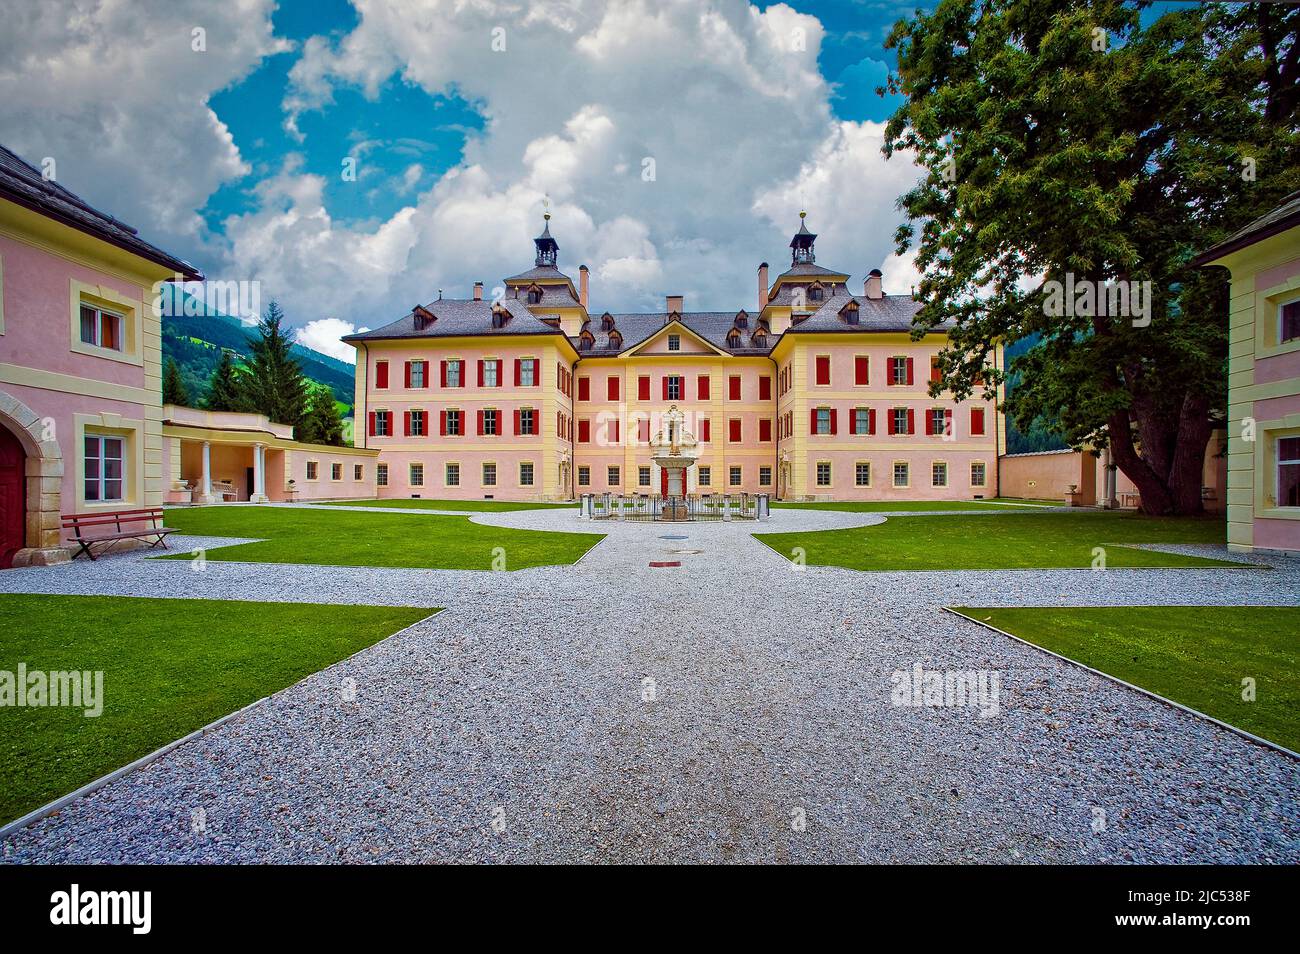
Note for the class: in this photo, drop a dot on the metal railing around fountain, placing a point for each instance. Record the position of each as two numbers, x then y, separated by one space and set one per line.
690 507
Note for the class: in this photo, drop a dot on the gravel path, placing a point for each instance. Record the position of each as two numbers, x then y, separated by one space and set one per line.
514 726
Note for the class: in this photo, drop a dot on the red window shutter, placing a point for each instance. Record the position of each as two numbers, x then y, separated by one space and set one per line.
518 371
613 432
765 429
370 424
733 388
911 418
480 422
643 430
584 432
665 387
910 377
823 369
406 370
929 422
832 420
977 421
643 388
935 375
424 368
702 387
442 370
584 389
812 423
406 423
442 423
947 423
889 422
517 431
381 374
480 372
861 369
733 427
871 420
611 388
765 388
705 435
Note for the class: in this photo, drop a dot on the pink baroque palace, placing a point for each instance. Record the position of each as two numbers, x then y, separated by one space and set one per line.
818 393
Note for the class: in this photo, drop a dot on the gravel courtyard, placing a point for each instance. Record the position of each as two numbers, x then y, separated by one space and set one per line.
518 725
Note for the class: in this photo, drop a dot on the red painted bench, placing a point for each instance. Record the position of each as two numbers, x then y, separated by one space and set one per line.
118 525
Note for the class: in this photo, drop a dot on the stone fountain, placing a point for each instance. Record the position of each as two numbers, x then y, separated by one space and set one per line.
674 449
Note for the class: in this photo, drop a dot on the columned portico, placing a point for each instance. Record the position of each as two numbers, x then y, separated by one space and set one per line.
259 474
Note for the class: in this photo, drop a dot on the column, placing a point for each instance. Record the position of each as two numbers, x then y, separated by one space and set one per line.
206 485
259 473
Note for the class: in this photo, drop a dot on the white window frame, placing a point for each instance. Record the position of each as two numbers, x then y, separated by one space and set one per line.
984 473
1279 463
381 475
817 473
857 473
489 476
99 314
532 473
907 473
674 342
934 470
451 474
413 469
101 460
1294 300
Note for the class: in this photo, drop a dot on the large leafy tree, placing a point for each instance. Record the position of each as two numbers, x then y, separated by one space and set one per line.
173 388
223 387
273 382
1096 142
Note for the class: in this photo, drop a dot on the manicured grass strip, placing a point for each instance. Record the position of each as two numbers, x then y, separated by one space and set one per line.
892 506
1009 541
353 538
1195 655
486 506
170 667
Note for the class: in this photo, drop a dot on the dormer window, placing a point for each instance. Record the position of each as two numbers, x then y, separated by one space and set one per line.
586 340
733 338
742 320
423 317
615 339
816 293
606 322
850 313
534 296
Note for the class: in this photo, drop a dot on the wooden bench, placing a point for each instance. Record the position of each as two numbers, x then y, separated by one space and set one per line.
110 527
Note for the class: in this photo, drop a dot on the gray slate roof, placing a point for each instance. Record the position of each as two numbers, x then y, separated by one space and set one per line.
461 316
712 326
540 273
1277 220
891 313
23 183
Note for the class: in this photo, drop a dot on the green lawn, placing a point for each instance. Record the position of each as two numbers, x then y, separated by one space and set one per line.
884 506
353 538
170 667
491 506
1010 541
1196 655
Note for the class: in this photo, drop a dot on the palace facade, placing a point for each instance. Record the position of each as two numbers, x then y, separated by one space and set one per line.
818 393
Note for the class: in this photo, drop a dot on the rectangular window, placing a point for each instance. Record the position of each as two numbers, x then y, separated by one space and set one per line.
525 475
584 476
765 476
381 475
336 471
611 432
1288 472
381 374
862 474
733 388
705 476
491 373
861 370
358 472
702 387
1288 316
417 475
823 473
417 374
898 371
935 373
105 468
527 421
527 372
584 432
735 477
453 373
900 473
643 476
611 388
900 416
977 473
312 469
938 421
765 388
673 384
674 342
452 475
765 429
417 424
584 389
939 474
643 430
611 476
977 422
643 388
489 421
454 423
733 430
861 420
823 420
383 424
101 328
823 373
489 475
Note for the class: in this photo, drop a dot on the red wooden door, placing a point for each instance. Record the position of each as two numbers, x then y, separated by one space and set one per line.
663 482
13 497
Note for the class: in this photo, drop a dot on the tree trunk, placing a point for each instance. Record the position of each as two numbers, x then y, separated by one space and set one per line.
1178 491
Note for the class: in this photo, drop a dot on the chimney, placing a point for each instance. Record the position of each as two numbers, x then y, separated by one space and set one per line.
871 287
583 284
478 291
762 287
674 304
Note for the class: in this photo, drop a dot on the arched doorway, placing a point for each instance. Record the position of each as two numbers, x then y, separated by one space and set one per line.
13 497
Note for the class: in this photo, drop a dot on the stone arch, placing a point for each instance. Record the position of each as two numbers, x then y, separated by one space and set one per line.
44 472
